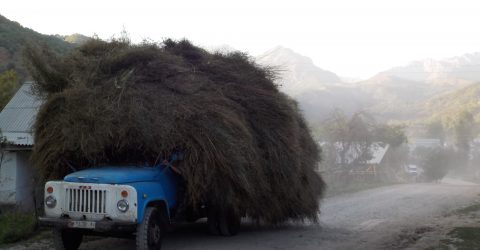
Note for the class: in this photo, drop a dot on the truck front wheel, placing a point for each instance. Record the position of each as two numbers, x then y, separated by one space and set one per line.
150 231
67 239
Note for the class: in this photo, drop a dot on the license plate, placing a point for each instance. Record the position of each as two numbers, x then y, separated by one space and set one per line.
82 224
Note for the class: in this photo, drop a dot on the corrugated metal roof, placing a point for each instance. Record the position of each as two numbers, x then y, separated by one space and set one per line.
18 116
378 152
376 149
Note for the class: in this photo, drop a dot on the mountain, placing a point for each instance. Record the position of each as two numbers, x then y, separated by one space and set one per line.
401 92
297 73
424 79
13 37
457 71
318 91
422 89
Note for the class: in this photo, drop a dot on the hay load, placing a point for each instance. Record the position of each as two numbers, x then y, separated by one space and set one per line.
246 144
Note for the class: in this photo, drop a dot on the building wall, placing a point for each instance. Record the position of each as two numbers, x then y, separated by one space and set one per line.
24 183
8 177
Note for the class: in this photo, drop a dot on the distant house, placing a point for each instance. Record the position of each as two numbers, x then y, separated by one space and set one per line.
424 143
16 171
360 161
370 166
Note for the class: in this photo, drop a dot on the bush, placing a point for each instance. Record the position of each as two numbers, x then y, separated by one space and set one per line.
437 162
16 226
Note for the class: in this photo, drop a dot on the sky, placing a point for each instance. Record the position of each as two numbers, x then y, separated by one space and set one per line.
354 39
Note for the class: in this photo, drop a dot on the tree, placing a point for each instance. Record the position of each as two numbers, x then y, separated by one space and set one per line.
3 140
9 84
437 162
391 134
435 130
349 139
464 131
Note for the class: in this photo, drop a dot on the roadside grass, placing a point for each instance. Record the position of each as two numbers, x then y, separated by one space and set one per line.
469 209
462 238
41 239
16 226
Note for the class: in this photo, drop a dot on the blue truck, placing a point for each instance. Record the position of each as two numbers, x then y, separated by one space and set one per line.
141 202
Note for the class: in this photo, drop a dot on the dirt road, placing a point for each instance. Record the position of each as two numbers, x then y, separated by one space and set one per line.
395 217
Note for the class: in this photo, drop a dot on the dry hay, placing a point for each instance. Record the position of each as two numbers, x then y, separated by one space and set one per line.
112 103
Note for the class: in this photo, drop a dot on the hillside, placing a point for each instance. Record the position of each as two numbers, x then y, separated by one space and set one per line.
396 98
448 106
13 37
317 105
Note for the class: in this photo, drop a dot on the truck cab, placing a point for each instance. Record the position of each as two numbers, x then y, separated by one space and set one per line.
122 201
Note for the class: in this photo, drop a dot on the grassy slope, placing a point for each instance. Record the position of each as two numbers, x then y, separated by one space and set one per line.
447 106
13 37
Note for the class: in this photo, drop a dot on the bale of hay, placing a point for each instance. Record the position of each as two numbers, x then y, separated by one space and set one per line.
246 144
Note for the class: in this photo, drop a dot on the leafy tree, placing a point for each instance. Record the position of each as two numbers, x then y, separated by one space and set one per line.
391 134
9 84
464 131
436 130
437 162
349 139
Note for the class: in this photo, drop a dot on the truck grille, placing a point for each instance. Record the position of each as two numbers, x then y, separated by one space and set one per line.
86 200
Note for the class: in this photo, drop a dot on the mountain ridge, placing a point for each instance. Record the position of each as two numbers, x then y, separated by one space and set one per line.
398 93
296 72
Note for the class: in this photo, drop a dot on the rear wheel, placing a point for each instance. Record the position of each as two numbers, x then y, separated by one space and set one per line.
229 223
212 222
67 239
223 222
150 231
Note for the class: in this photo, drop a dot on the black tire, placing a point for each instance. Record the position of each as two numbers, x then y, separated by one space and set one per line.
67 239
150 231
229 223
225 222
212 222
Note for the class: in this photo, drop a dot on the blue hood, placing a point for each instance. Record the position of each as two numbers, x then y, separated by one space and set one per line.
115 175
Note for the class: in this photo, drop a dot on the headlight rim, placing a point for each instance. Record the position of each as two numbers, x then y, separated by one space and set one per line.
127 206
50 201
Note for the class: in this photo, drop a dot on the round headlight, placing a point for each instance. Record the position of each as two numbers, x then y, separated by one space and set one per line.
50 201
122 206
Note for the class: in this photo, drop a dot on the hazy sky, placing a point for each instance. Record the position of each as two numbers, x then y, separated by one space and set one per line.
355 38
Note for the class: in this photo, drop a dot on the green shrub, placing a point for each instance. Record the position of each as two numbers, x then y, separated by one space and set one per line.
16 226
436 162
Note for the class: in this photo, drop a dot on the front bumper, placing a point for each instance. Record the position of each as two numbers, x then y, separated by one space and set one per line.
100 226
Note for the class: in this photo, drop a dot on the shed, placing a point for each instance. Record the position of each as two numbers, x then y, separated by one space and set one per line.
16 171
378 151
360 164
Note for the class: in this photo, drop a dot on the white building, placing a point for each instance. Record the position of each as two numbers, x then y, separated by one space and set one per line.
16 170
